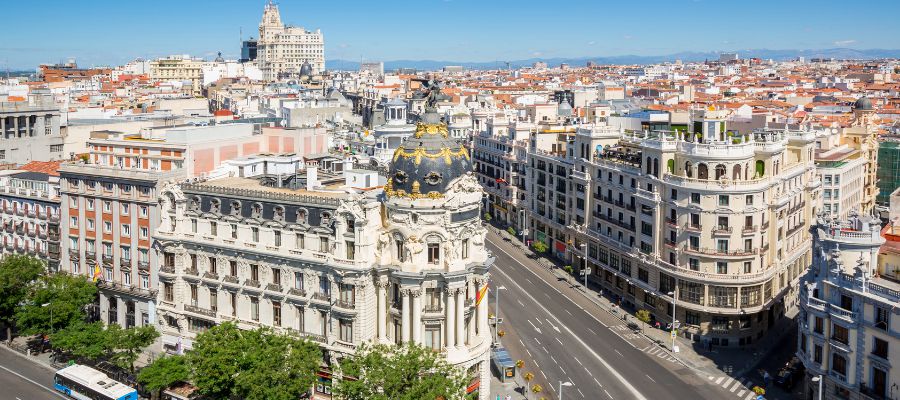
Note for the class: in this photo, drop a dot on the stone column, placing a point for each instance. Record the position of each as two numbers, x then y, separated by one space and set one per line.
28 126
460 318
16 126
450 325
417 316
380 288
405 318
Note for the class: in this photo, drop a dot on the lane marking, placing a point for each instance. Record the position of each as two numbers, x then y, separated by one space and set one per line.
736 385
567 312
529 281
727 382
545 350
648 377
55 393
607 393
560 342
542 373
554 360
576 360
538 341
620 354
529 353
595 333
535 328
598 382
635 393
520 303
741 393
582 394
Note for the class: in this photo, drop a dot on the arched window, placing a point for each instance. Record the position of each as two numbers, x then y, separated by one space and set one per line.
670 166
702 171
736 173
720 171
688 169
760 168
649 166
656 167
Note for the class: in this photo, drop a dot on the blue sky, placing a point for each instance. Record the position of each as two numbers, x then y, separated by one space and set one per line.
104 32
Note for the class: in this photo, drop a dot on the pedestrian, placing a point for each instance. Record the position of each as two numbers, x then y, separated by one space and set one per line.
766 378
508 397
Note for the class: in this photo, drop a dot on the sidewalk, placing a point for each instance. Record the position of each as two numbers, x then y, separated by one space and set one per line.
735 362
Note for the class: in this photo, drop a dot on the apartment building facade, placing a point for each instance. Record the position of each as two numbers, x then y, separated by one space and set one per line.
180 68
29 211
717 220
282 51
30 131
848 322
338 268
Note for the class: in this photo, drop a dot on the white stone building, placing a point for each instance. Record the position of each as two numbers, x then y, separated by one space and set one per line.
282 51
338 266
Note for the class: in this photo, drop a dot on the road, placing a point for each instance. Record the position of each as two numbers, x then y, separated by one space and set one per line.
563 336
21 379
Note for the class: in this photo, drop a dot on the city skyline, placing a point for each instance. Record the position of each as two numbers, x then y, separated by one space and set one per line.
97 32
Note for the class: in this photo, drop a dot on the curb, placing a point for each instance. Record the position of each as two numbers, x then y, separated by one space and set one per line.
32 360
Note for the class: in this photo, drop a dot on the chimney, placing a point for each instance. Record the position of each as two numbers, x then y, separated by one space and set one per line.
312 177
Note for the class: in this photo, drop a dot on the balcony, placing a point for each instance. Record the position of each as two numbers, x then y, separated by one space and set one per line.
124 261
230 279
670 243
319 296
345 304
748 229
434 308
274 287
192 272
210 276
720 252
765 225
671 222
296 292
721 230
693 227
167 269
251 283
200 311
107 259
793 230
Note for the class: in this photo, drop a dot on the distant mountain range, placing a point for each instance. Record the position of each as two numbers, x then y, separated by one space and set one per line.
778 55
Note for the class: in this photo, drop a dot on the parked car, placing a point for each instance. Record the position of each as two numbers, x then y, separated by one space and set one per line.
790 374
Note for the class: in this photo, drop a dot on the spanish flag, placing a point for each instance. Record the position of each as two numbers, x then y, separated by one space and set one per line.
481 295
97 273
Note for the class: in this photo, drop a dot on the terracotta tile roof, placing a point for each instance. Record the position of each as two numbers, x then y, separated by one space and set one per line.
46 167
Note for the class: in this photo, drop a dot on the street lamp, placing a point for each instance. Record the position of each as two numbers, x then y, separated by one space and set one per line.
51 315
584 269
820 380
674 295
561 384
523 226
497 290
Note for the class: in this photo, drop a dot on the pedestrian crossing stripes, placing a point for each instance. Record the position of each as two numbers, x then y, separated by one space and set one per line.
657 352
740 388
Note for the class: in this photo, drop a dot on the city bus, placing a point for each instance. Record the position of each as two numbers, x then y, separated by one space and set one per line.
85 383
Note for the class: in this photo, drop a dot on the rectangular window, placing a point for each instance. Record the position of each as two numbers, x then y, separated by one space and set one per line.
234 231
721 267
817 354
748 267
882 318
213 267
194 225
168 291
276 276
880 348
301 241
277 238
692 318
193 295
346 327
434 253
465 248
144 232
254 308
254 272
643 275
126 230
839 364
840 333
433 337
255 234
298 280
324 286
213 300
107 227
213 228
276 313
694 264
233 268
144 211
233 300
351 250
723 200
695 198
125 208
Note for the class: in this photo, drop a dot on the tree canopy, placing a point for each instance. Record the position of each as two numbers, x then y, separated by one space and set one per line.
407 372
82 340
164 372
254 365
53 302
16 274
126 344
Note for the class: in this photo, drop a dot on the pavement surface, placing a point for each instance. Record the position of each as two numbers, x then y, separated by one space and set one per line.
564 337
22 378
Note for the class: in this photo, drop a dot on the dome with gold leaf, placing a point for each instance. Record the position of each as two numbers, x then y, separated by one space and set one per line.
427 162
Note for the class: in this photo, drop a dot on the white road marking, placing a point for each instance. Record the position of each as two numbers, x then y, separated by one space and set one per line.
579 362
741 393
548 296
545 350
607 393
33 382
529 281
750 396
635 393
560 342
554 360
592 331
579 391
718 381
711 377
535 328
727 382
520 303
617 352
538 341
529 353
567 312
598 382
736 385
542 373
648 377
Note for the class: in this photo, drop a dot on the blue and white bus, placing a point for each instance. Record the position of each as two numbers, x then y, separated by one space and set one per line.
85 383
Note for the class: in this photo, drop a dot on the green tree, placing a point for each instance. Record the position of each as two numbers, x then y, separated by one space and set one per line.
216 359
539 246
253 365
643 316
16 273
278 367
54 302
511 231
164 372
407 372
488 217
126 345
83 340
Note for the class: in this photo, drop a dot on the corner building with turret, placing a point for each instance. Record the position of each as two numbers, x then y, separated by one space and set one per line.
336 264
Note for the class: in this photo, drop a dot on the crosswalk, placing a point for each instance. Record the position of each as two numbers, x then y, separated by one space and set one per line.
741 388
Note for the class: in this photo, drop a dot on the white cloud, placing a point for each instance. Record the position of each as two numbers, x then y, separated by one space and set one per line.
844 42
627 37
591 43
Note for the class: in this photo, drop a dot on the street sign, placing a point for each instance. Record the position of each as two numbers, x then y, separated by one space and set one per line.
525 232
587 271
674 333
